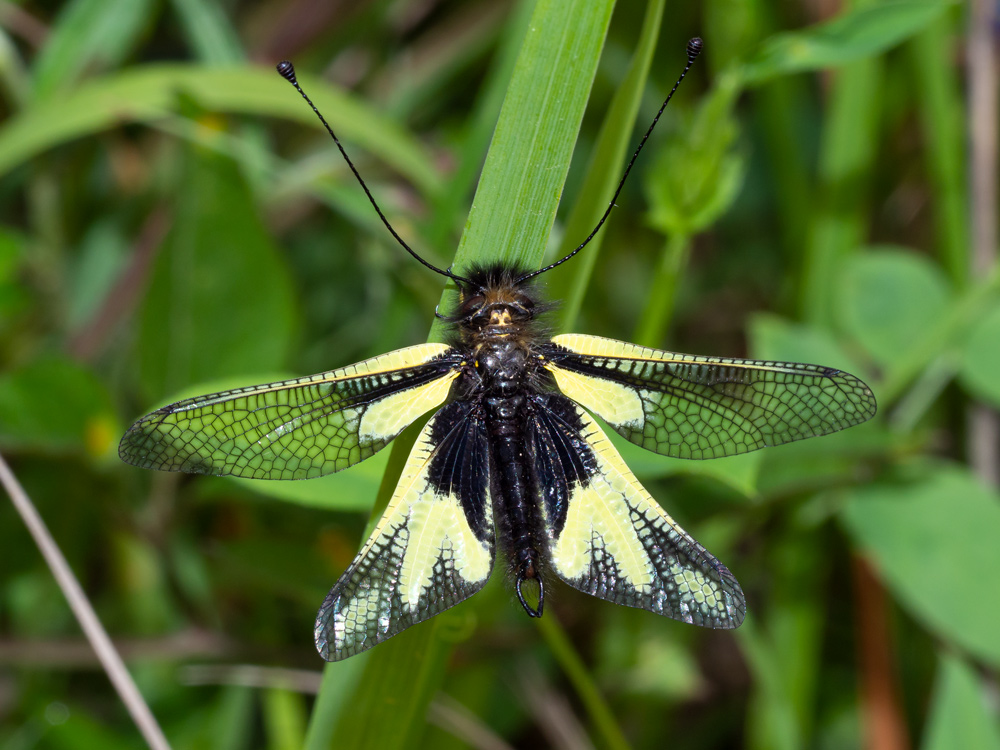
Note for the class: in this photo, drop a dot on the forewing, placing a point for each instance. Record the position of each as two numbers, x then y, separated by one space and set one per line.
295 429
687 406
606 535
432 548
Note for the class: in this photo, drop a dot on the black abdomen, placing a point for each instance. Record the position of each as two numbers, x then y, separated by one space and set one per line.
516 508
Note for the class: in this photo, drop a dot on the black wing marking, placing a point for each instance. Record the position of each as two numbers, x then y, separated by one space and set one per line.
296 429
608 537
433 547
687 406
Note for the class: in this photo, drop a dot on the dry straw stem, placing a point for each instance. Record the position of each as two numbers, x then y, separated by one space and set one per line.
85 614
984 422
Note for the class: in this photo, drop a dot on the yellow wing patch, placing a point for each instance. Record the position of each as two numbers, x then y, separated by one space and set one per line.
425 554
599 514
600 395
617 543
387 418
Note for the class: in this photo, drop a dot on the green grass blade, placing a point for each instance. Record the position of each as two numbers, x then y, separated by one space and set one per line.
89 35
455 197
154 92
866 30
518 194
604 172
656 316
512 214
565 654
336 694
778 107
846 169
953 327
939 98
284 718
208 32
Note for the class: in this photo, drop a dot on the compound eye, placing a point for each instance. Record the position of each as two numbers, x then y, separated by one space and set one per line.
522 306
473 306
478 315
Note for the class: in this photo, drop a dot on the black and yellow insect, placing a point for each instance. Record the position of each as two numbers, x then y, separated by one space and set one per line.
512 453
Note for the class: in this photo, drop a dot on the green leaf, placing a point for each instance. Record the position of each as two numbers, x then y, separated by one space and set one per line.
853 35
781 340
934 542
208 32
75 729
980 371
88 35
692 181
946 335
888 298
738 472
220 302
695 178
823 460
664 670
53 404
102 255
353 489
152 93
961 714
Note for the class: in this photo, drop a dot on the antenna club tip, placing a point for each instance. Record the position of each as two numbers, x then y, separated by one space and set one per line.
287 70
693 49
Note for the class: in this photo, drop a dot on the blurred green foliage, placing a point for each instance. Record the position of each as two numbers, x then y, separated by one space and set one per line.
174 222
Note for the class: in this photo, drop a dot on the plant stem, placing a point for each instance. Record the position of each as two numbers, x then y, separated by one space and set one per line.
576 672
111 660
939 100
846 162
663 291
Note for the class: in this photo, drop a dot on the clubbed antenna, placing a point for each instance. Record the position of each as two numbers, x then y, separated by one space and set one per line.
287 71
693 50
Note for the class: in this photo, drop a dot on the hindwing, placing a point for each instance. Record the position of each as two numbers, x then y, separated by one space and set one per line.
296 429
687 406
608 537
433 547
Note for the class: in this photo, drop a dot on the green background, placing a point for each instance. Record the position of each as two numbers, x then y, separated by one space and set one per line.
173 221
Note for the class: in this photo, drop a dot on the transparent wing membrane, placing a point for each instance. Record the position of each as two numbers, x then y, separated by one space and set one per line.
295 429
688 406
